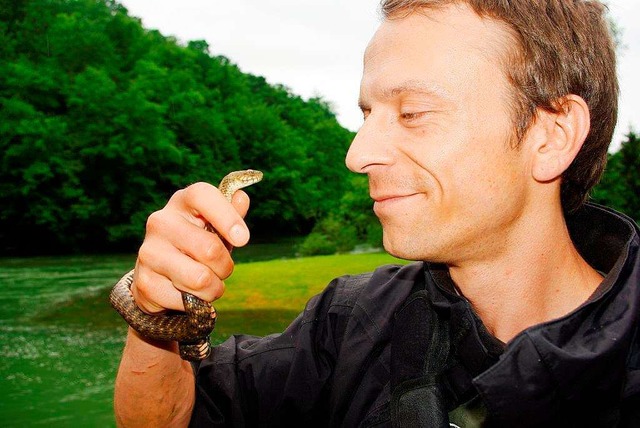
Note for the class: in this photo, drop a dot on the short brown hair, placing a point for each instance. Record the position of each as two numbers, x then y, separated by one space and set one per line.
563 47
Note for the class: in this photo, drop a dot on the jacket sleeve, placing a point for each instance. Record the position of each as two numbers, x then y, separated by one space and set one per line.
253 381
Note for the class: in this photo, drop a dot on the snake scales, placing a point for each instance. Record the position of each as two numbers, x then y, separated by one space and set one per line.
190 328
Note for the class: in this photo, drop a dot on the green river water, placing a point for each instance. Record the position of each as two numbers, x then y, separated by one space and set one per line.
60 341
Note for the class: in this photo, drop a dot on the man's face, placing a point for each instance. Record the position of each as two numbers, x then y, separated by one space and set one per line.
436 139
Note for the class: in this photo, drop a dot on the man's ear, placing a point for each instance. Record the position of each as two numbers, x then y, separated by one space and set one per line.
558 137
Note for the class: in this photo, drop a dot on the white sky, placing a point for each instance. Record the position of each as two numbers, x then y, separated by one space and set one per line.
315 47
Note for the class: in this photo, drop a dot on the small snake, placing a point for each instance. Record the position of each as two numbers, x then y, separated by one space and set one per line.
190 328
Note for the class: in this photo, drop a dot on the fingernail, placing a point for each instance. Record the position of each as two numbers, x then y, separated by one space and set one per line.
239 235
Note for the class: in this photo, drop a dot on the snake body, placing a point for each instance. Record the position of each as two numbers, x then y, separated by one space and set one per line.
190 328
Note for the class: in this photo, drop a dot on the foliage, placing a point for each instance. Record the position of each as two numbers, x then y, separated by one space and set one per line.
352 223
102 120
318 243
620 185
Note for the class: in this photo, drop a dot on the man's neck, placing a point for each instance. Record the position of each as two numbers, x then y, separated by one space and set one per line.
539 277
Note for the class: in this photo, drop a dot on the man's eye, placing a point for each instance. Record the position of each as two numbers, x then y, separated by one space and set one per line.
411 115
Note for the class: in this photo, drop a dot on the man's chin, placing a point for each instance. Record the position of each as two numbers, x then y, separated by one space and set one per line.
400 250
409 249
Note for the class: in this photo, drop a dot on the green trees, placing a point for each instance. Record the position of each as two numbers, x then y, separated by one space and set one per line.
620 186
102 120
353 223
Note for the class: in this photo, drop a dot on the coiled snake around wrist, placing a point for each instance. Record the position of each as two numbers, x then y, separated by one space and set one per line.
190 328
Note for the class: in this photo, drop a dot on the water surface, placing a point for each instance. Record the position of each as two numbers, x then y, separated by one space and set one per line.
60 341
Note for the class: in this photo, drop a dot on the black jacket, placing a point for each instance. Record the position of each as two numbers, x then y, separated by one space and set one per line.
399 347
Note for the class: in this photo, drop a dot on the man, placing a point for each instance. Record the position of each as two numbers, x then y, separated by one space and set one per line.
486 124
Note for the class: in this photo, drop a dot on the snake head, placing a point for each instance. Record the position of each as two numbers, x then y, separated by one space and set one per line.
246 177
237 180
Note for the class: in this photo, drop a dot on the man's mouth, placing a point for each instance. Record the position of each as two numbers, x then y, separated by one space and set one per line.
386 202
387 197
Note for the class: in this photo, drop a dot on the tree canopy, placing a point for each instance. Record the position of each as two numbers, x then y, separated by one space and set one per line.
102 120
620 185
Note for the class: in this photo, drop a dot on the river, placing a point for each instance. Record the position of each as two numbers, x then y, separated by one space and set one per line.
60 341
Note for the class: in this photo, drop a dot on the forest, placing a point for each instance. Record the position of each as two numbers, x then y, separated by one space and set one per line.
102 120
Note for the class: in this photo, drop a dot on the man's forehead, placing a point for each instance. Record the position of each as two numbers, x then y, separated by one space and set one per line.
381 39
490 38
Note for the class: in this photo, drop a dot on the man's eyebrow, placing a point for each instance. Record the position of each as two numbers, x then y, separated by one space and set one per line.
415 86
410 86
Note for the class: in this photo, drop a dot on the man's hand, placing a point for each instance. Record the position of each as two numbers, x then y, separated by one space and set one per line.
154 387
178 254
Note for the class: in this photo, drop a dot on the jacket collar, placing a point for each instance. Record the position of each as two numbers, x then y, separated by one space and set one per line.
581 357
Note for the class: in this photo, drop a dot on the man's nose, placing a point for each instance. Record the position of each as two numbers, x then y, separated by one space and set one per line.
371 146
